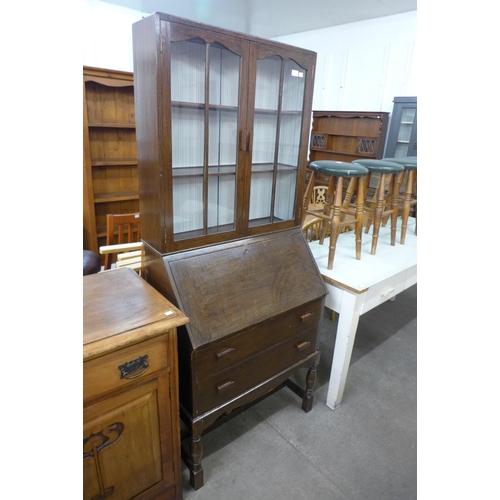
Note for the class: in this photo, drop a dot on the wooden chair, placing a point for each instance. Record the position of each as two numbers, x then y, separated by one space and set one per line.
332 216
123 240
318 198
311 227
311 224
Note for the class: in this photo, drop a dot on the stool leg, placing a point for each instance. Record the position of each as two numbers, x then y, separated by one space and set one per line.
406 206
348 197
328 209
394 208
377 220
371 205
360 203
334 232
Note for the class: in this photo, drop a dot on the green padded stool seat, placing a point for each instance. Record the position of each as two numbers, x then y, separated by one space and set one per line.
335 210
407 190
380 206
344 169
409 162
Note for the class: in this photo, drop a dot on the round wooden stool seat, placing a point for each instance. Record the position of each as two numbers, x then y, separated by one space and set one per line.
338 168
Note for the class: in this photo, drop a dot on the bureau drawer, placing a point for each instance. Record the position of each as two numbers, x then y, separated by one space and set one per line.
105 373
230 351
224 386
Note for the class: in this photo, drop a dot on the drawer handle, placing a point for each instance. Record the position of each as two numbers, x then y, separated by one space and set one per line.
388 291
224 352
225 386
306 316
130 367
304 345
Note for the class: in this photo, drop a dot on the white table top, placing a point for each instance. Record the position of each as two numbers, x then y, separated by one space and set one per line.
359 275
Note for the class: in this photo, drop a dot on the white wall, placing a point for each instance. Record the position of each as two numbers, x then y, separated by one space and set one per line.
361 66
108 35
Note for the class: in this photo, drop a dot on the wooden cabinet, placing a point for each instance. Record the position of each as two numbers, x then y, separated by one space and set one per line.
222 128
402 138
131 434
110 180
348 135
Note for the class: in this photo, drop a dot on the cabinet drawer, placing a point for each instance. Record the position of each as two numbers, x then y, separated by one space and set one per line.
383 291
224 386
104 374
224 354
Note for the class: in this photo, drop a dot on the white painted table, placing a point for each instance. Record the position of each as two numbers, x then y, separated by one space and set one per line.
357 286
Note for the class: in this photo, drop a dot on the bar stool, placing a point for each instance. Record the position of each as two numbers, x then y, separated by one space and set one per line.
332 214
384 205
408 198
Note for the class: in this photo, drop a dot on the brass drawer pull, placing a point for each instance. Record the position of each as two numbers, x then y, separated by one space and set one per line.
306 316
130 367
225 352
304 345
225 386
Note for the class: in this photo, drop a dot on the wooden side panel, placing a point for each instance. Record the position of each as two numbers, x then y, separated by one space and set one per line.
150 156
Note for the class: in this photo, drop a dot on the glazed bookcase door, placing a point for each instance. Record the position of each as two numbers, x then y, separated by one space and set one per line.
402 138
407 137
277 103
207 115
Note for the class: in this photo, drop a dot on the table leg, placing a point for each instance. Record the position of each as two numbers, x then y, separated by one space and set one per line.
348 305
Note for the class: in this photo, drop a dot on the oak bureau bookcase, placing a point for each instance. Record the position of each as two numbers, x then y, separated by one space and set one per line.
222 123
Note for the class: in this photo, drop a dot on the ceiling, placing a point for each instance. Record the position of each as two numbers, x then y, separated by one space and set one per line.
272 18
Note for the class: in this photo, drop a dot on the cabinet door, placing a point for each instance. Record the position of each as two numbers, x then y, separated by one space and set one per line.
122 448
207 73
280 81
402 139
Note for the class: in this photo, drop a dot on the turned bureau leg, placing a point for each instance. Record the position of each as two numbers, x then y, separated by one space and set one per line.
195 468
307 400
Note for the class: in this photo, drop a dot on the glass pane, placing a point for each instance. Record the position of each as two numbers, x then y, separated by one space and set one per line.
224 76
200 187
188 71
276 143
293 86
264 139
223 130
286 183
